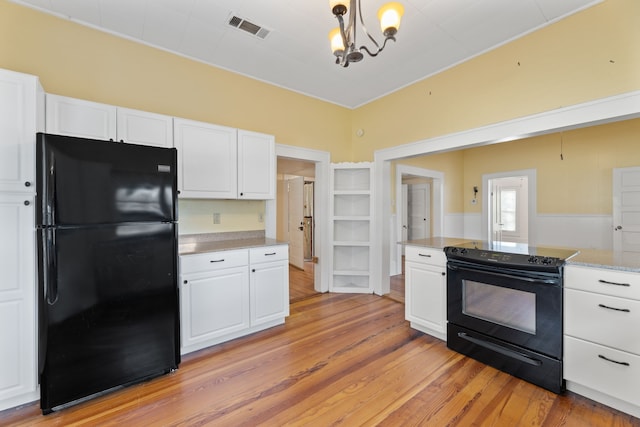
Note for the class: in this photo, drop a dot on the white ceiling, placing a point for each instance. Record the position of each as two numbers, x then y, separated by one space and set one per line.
434 35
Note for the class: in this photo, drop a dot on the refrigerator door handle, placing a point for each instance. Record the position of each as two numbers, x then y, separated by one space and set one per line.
49 196
50 277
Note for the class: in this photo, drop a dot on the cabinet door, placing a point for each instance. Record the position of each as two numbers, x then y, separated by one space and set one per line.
77 117
425 296
213 305
142 127
269 291
21 107
207 160
256 166
17 300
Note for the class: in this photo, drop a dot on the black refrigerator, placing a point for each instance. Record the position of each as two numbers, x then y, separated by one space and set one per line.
107 257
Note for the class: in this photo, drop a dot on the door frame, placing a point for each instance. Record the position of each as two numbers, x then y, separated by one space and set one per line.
437 207
532 206
321 212
615 108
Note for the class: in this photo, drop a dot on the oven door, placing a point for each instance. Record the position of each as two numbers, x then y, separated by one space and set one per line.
517 307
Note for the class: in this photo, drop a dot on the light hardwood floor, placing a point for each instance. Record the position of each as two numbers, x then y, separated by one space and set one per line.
340 359
301 282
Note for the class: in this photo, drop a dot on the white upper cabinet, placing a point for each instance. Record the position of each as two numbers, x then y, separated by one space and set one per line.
87 119
21 116
77 117
144 128
207 157
217 162
256 165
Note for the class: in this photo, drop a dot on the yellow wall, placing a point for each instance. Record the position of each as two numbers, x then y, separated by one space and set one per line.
590 55
579 183
196 216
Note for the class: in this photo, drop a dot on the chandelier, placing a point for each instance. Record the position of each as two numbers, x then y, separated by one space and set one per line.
343 40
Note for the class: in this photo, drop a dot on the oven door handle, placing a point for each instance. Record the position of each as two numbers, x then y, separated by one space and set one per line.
502 350
553 281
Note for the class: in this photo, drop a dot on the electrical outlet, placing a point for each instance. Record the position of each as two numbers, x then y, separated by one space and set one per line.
260 217
216 218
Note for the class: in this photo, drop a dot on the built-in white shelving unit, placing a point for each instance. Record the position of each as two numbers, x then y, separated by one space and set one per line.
351 207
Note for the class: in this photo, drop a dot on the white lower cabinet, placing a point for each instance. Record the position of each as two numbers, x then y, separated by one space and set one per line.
269 268
426 290
601 345
228 294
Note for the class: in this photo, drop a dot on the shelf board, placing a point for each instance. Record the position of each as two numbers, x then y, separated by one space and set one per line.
356 243
352 192
351 218
362 273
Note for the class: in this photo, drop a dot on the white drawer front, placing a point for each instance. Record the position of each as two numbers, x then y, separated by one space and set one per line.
610 282
268 253
603 319
213 261
585 364
425 255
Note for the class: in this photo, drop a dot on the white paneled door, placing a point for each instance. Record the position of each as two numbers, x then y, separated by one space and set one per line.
626 209
296 222
419 207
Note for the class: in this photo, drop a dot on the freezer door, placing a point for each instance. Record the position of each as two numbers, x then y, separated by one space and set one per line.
108 308
83 181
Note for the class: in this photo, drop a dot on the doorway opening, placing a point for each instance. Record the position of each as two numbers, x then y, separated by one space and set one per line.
509 206
295 223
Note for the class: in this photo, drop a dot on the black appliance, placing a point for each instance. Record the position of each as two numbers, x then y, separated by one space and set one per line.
504 308
107 253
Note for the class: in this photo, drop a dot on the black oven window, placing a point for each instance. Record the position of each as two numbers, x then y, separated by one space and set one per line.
504 306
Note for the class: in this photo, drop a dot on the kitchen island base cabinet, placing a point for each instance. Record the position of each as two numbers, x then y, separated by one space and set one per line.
425 290
228 294
601 347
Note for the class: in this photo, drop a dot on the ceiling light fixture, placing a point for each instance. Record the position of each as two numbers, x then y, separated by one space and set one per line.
343 40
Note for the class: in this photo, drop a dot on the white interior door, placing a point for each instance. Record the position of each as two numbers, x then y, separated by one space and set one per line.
419 207
626 209
509 215
296 222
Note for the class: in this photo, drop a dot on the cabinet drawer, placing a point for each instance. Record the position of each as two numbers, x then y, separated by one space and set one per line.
603 319
213 261
425 255
610 282
268 253
586 363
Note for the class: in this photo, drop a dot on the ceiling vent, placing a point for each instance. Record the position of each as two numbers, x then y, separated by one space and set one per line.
249 27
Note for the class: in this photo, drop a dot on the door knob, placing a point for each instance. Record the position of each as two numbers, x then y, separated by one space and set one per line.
619 227
301 228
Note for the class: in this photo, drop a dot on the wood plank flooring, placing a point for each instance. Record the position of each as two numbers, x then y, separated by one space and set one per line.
301 282
340 359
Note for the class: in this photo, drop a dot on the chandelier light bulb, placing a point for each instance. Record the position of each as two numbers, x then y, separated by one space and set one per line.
389 16
337 47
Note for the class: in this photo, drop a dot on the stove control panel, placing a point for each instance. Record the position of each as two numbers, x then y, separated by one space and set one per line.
505 259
